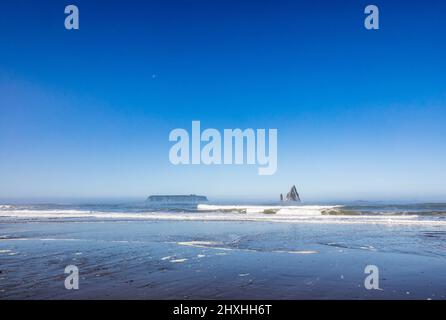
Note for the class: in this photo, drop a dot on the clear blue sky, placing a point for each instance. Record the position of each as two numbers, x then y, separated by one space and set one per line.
361 114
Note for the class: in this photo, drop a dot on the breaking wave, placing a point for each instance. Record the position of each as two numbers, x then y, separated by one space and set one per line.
334 214
334 210
302 210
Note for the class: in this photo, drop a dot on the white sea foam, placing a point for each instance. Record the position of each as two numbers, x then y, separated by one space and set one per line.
286 214
6 207
304 209
297 251
212 245
200 244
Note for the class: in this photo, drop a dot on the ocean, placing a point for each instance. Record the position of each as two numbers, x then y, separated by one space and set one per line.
355 212
225 250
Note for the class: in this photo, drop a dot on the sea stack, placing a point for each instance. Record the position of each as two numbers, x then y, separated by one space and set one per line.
293 195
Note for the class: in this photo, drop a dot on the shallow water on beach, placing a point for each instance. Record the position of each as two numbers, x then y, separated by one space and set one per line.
159 259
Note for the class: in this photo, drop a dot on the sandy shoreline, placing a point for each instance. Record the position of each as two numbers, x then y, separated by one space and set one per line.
219 260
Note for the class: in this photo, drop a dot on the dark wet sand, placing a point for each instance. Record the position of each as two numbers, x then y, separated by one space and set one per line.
219 260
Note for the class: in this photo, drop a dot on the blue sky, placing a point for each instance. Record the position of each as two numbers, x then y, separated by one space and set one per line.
360 114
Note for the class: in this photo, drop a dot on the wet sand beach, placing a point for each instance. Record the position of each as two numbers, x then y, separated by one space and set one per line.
220 260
